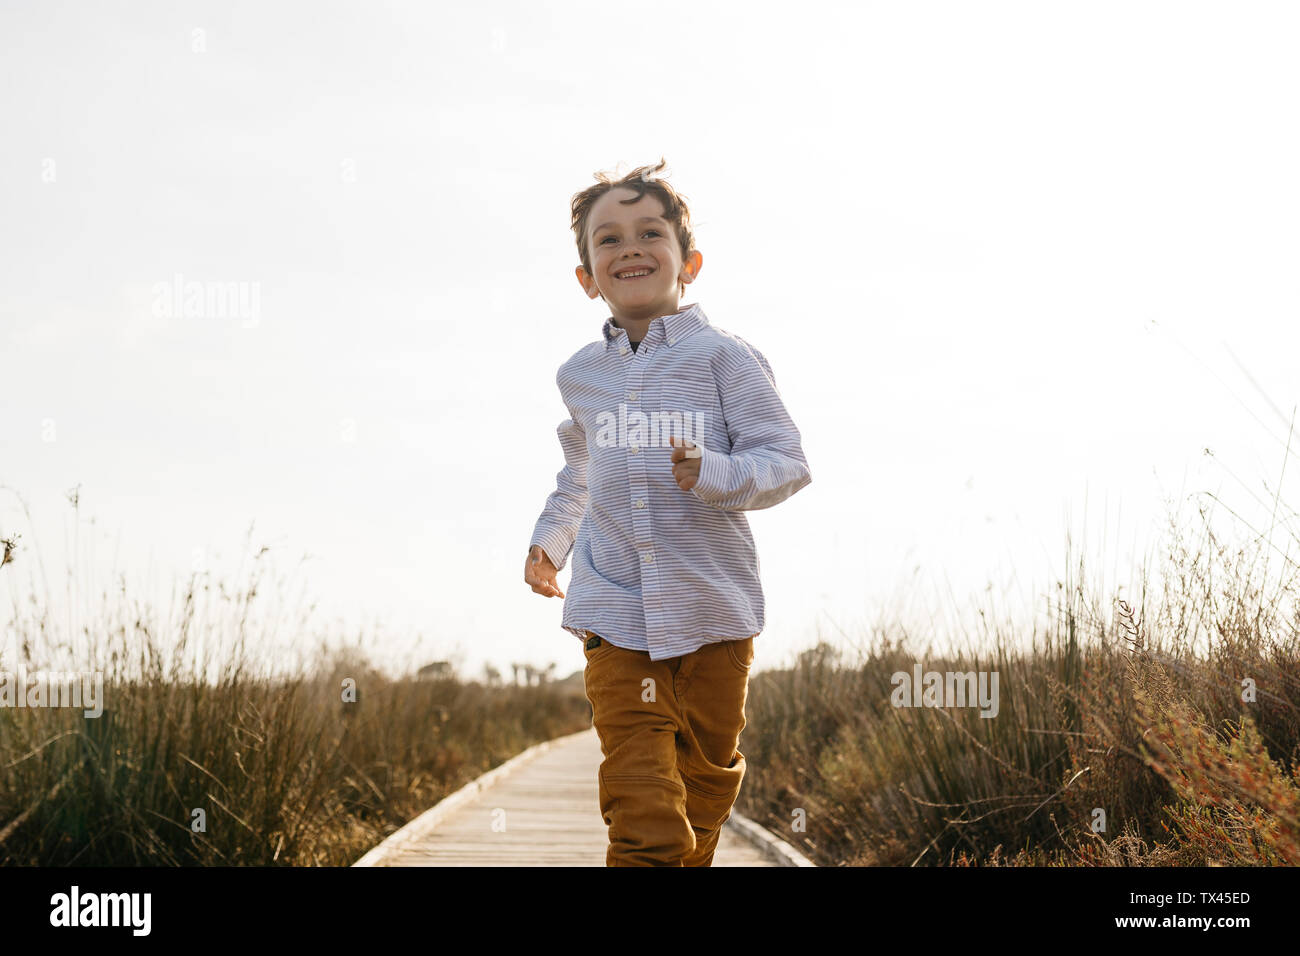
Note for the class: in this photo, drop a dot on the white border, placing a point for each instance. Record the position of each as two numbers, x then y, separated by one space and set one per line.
776 849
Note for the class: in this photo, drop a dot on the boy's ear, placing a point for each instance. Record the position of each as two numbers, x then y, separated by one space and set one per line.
692 266
588 282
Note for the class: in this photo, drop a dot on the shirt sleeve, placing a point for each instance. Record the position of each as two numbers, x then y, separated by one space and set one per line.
558 525
766 464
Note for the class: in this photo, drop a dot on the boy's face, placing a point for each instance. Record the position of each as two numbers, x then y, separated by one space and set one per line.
634 237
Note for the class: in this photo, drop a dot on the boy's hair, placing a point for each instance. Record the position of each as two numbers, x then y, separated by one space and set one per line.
675 210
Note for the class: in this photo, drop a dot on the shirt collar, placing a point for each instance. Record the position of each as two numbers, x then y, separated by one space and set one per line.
665 329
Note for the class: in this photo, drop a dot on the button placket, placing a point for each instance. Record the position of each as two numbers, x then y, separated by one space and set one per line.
646 394
638 490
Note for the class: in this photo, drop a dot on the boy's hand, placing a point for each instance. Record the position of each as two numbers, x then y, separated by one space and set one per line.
686 463
539 573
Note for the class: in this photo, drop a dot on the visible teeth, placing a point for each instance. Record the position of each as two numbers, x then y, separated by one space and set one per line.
628 275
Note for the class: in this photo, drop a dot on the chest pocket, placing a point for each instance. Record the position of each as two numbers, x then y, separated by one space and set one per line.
689 404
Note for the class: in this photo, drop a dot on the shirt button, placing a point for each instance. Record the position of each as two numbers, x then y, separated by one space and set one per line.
640 502
648 557
672 341
631 396
622 350
634 449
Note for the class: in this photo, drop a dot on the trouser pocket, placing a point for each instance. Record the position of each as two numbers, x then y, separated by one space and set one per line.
712 791
595 647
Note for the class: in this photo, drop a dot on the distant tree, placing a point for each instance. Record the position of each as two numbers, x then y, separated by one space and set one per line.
438 670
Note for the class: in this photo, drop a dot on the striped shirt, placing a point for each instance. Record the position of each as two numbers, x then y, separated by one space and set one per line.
656 568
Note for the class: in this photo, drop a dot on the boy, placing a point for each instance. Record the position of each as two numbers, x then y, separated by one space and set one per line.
675 429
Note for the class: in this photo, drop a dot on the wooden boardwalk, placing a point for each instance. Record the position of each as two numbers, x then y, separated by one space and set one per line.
541 809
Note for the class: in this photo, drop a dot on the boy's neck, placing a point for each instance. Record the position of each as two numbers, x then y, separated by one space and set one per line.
637 327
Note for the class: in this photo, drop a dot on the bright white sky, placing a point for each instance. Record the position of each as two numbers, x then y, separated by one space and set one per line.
1001 257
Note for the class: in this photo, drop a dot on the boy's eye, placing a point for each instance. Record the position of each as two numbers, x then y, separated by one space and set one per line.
646 233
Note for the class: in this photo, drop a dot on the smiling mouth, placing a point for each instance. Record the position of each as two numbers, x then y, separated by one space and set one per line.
633 276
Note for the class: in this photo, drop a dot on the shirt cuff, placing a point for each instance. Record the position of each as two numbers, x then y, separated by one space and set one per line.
712 485
554 548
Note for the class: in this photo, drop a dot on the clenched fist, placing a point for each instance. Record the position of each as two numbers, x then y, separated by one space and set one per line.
539 573
686 463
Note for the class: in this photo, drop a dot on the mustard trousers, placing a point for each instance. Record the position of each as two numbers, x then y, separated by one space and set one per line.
669 732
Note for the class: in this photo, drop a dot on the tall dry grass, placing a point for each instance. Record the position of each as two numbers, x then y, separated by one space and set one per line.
284 771
1138 713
